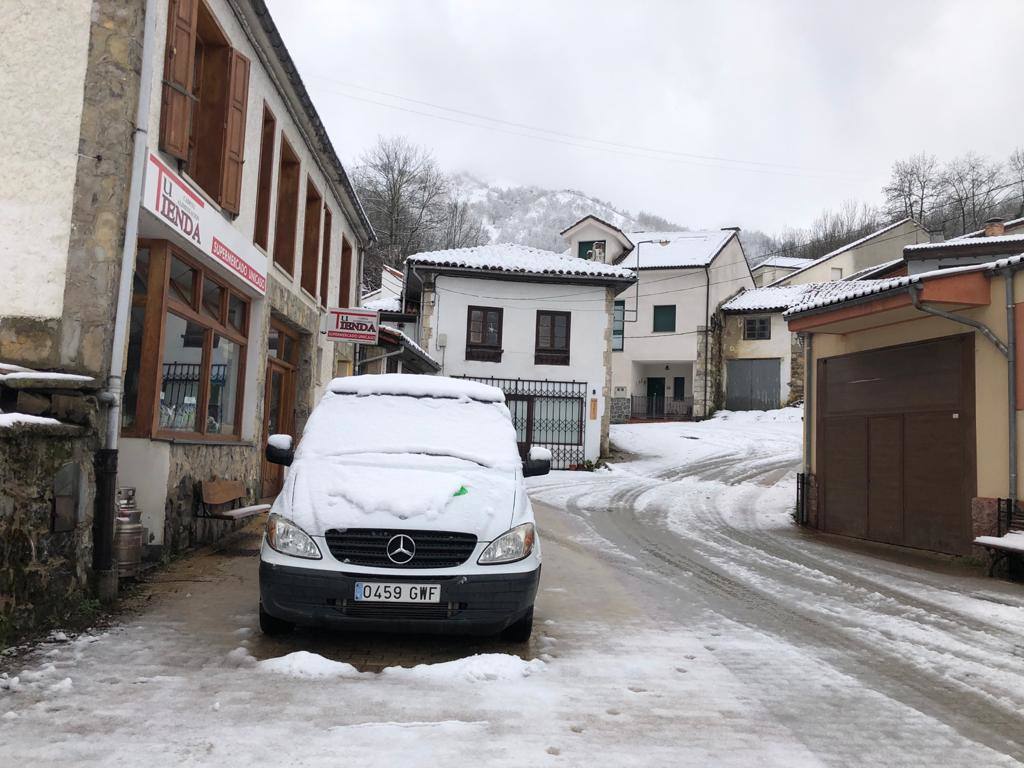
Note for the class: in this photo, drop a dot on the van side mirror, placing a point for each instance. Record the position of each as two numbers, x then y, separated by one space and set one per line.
538 462
279 450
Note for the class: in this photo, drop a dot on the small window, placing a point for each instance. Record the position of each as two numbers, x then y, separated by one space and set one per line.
552 341
345 282
618 326
263 188
311 238
287 208
483 334
325 257
757 328
664 318
837 273
592 250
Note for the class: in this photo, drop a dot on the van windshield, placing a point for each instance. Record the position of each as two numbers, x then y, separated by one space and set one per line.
345 425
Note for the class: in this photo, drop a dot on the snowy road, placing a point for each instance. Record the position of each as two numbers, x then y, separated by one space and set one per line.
682 620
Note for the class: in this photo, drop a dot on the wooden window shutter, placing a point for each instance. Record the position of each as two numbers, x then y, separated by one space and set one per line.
234 134
179 66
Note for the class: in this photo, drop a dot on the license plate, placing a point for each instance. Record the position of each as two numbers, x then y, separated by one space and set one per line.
381 592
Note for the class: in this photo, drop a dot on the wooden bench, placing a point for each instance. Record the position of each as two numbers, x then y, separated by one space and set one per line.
1010 541
222 499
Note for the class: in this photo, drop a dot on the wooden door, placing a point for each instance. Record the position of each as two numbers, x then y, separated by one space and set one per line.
278 418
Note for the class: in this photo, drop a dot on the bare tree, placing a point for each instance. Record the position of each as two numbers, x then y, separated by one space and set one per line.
1015 176
913 187
970 183
462 226
404 194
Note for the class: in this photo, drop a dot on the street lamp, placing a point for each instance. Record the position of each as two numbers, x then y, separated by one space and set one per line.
636 308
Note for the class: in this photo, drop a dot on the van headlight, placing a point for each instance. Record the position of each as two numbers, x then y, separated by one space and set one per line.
286 537
510 546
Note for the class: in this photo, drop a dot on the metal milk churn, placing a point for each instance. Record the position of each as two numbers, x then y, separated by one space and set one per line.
128 534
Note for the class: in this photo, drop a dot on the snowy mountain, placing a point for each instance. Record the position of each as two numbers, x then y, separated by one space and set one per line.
534 216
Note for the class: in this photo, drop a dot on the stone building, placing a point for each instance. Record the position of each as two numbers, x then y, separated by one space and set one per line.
180 222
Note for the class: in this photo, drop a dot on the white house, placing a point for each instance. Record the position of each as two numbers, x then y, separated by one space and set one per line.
661 336
536 324
777 267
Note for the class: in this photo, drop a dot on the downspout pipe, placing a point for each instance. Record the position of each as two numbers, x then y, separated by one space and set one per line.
1008 350
104 567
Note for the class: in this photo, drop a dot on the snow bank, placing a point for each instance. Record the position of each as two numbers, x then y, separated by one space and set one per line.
307 665
15 420
790 415
414 385
25 377
483 667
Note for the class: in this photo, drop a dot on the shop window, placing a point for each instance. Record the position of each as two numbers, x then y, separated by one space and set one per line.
757 328
618 326
664 318
483 334
261 232
287 208
552 339
204 101
325 258
311 238
191 384
345 287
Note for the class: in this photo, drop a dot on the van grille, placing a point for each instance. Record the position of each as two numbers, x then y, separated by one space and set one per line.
368 546
397 611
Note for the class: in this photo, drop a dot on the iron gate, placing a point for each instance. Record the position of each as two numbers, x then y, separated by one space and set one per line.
546 413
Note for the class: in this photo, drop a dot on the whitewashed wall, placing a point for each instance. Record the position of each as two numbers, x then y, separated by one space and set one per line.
43 61
520 302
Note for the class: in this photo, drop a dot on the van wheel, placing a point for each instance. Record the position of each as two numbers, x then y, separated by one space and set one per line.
273 626
520 631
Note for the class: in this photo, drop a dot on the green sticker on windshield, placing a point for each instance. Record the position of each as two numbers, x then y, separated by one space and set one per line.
461 492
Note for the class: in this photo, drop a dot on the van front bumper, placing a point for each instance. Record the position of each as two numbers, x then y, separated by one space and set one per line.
470 604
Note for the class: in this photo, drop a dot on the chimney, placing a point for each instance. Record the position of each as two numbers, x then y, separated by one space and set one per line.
995 227
936 236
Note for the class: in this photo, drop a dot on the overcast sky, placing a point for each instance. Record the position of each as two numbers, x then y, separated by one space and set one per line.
814 98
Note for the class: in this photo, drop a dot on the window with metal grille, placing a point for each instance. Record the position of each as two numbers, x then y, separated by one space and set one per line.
483 334
679 388
664 318
592 249
757 328
552 341
618 326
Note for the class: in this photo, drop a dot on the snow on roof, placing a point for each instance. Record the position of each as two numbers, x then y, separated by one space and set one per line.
839 292
844 248
696 248
1014 223
978 242
386 304
414 385
786 262
519 259
777 297
408 342
868 272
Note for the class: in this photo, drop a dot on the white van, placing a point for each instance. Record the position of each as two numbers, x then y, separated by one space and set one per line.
404 509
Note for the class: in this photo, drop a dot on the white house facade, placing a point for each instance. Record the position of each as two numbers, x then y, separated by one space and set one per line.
661 337
534 323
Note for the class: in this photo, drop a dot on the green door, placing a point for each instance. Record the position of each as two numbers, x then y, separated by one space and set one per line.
655 397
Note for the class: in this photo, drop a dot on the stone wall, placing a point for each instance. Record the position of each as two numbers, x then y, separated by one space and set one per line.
192 464
81 340
46 510
621 408
709 369
796 369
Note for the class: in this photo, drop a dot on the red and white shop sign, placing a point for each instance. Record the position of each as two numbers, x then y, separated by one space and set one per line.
356 326
176 204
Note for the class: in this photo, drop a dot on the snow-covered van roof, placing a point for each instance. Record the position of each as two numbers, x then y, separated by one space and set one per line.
415 385
411 415
696 248
511 258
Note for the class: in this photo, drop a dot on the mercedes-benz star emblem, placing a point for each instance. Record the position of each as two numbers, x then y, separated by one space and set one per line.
401 549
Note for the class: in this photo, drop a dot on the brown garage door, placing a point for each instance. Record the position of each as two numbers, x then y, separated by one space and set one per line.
896 444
